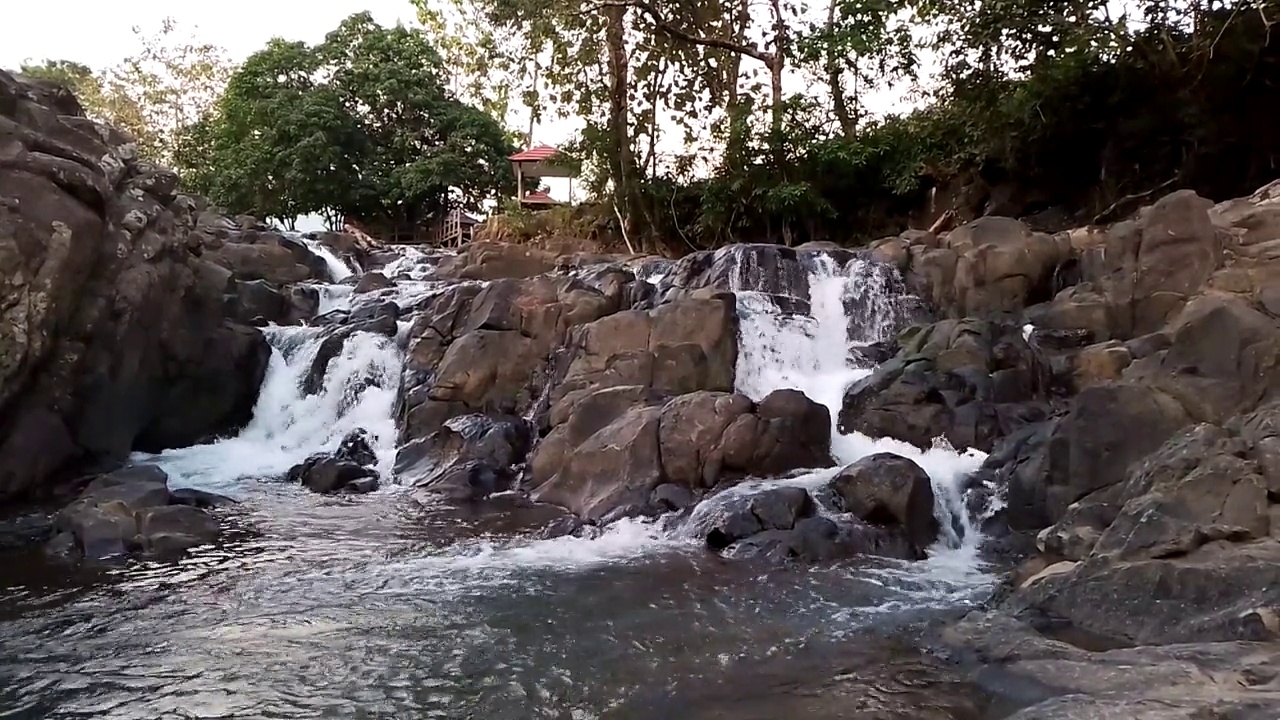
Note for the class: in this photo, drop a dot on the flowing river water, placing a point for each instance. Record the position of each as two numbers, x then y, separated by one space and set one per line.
377 606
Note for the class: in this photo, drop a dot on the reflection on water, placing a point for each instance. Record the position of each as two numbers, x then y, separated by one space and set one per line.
374 607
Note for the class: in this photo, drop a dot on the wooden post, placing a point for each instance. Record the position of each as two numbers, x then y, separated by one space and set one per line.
519 182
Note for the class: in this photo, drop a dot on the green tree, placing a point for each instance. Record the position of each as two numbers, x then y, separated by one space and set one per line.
361 124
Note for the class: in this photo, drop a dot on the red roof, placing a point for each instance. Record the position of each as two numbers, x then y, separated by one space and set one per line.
536 154
539 198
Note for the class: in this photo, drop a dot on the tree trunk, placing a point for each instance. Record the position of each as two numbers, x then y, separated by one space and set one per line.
834 78
777 63
621 158
736 110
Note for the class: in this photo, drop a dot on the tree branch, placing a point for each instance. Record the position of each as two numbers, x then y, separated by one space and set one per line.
682 35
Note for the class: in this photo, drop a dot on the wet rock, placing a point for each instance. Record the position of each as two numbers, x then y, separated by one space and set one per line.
122 315
372 281
255 302
597 467
891 492
347 470
128 512
470 458
741 516
970 382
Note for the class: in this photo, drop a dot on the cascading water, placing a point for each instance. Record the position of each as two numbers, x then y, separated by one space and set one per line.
787 348
358 392
338 270
378 606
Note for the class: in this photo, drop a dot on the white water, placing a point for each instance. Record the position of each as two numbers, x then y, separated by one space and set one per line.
338 270
288 426
810 354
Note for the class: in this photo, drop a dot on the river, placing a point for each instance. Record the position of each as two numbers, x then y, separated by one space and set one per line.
379 606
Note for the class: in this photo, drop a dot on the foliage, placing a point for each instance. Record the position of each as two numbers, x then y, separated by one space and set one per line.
153 94
362 124
1062 103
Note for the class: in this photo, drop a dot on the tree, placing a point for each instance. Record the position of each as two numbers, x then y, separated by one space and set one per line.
153 94
361 124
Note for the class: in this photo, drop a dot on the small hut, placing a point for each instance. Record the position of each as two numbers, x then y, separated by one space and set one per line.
542 161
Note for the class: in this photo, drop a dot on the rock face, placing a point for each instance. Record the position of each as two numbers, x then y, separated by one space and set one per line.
348 470
695 442
891 492
970 382
112 328
132 512
1149 472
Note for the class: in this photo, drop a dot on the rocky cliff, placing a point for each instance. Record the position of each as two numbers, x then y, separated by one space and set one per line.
118 299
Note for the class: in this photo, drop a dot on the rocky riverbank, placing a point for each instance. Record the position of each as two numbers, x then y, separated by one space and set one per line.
1123 381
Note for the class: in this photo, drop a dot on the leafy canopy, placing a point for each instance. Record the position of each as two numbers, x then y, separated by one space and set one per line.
362 124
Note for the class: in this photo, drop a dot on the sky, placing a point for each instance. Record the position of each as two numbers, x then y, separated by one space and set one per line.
99 34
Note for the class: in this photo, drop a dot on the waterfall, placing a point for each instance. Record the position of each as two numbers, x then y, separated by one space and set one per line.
338 270
850 304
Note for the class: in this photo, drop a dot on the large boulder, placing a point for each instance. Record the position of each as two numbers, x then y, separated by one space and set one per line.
469 458
605 469
112 334
132 512
488 349
891 492
968 381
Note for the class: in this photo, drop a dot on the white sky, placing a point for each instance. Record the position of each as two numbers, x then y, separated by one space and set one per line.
99 33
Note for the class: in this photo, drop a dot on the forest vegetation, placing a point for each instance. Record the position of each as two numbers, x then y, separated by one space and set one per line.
1059 111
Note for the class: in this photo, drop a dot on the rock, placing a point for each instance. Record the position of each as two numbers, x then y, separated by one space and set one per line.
892 492
617 467
1001 265
372 281
327 475
597 466
488 350
113 337
1223 358
1100 363
347 470
355 447
1053 679
130 511
741 516
1107 428
470 458
970 382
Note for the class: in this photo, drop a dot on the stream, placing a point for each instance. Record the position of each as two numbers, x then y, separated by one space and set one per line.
378 606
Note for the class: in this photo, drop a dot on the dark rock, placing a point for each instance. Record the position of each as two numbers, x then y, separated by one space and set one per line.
330 475
347 470
372 281
130 511
470 458
123 335
355 448
741 516
970 382
892 492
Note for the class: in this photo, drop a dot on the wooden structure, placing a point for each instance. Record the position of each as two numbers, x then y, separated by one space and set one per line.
540 162
453 230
